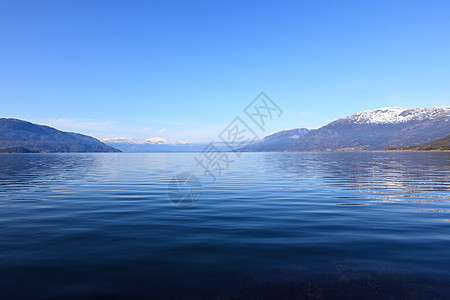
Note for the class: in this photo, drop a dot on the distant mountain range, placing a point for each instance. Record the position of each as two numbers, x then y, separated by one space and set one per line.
439 145
151 145
149 141
376 129
22 136
158 145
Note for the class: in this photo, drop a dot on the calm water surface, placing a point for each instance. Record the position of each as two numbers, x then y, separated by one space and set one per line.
313 225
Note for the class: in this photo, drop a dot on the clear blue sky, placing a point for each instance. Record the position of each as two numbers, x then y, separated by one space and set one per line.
184 69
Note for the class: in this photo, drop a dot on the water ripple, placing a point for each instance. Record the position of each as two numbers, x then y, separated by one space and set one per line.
304 224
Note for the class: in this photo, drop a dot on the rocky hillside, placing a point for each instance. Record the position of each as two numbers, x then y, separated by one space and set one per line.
439 145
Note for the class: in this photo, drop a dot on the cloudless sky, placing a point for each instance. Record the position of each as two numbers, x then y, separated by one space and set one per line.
184 69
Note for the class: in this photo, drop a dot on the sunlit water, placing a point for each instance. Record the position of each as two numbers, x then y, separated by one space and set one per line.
275 225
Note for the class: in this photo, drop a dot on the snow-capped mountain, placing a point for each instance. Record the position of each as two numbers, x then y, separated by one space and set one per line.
119 140
159 144
159 141
393 115
156 144
153 141
375 129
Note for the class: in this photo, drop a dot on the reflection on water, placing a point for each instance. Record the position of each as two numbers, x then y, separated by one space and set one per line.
22 177
379 176
313 225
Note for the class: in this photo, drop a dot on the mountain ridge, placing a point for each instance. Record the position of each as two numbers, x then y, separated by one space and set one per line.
42 138
280 139
375 129
390 115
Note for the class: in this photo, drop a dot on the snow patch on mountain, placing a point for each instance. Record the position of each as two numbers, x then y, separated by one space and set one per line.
393 115
295 136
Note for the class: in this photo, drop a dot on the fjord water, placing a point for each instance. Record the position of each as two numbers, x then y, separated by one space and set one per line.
274 225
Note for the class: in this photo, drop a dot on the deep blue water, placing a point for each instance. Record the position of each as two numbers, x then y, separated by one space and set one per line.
316 225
